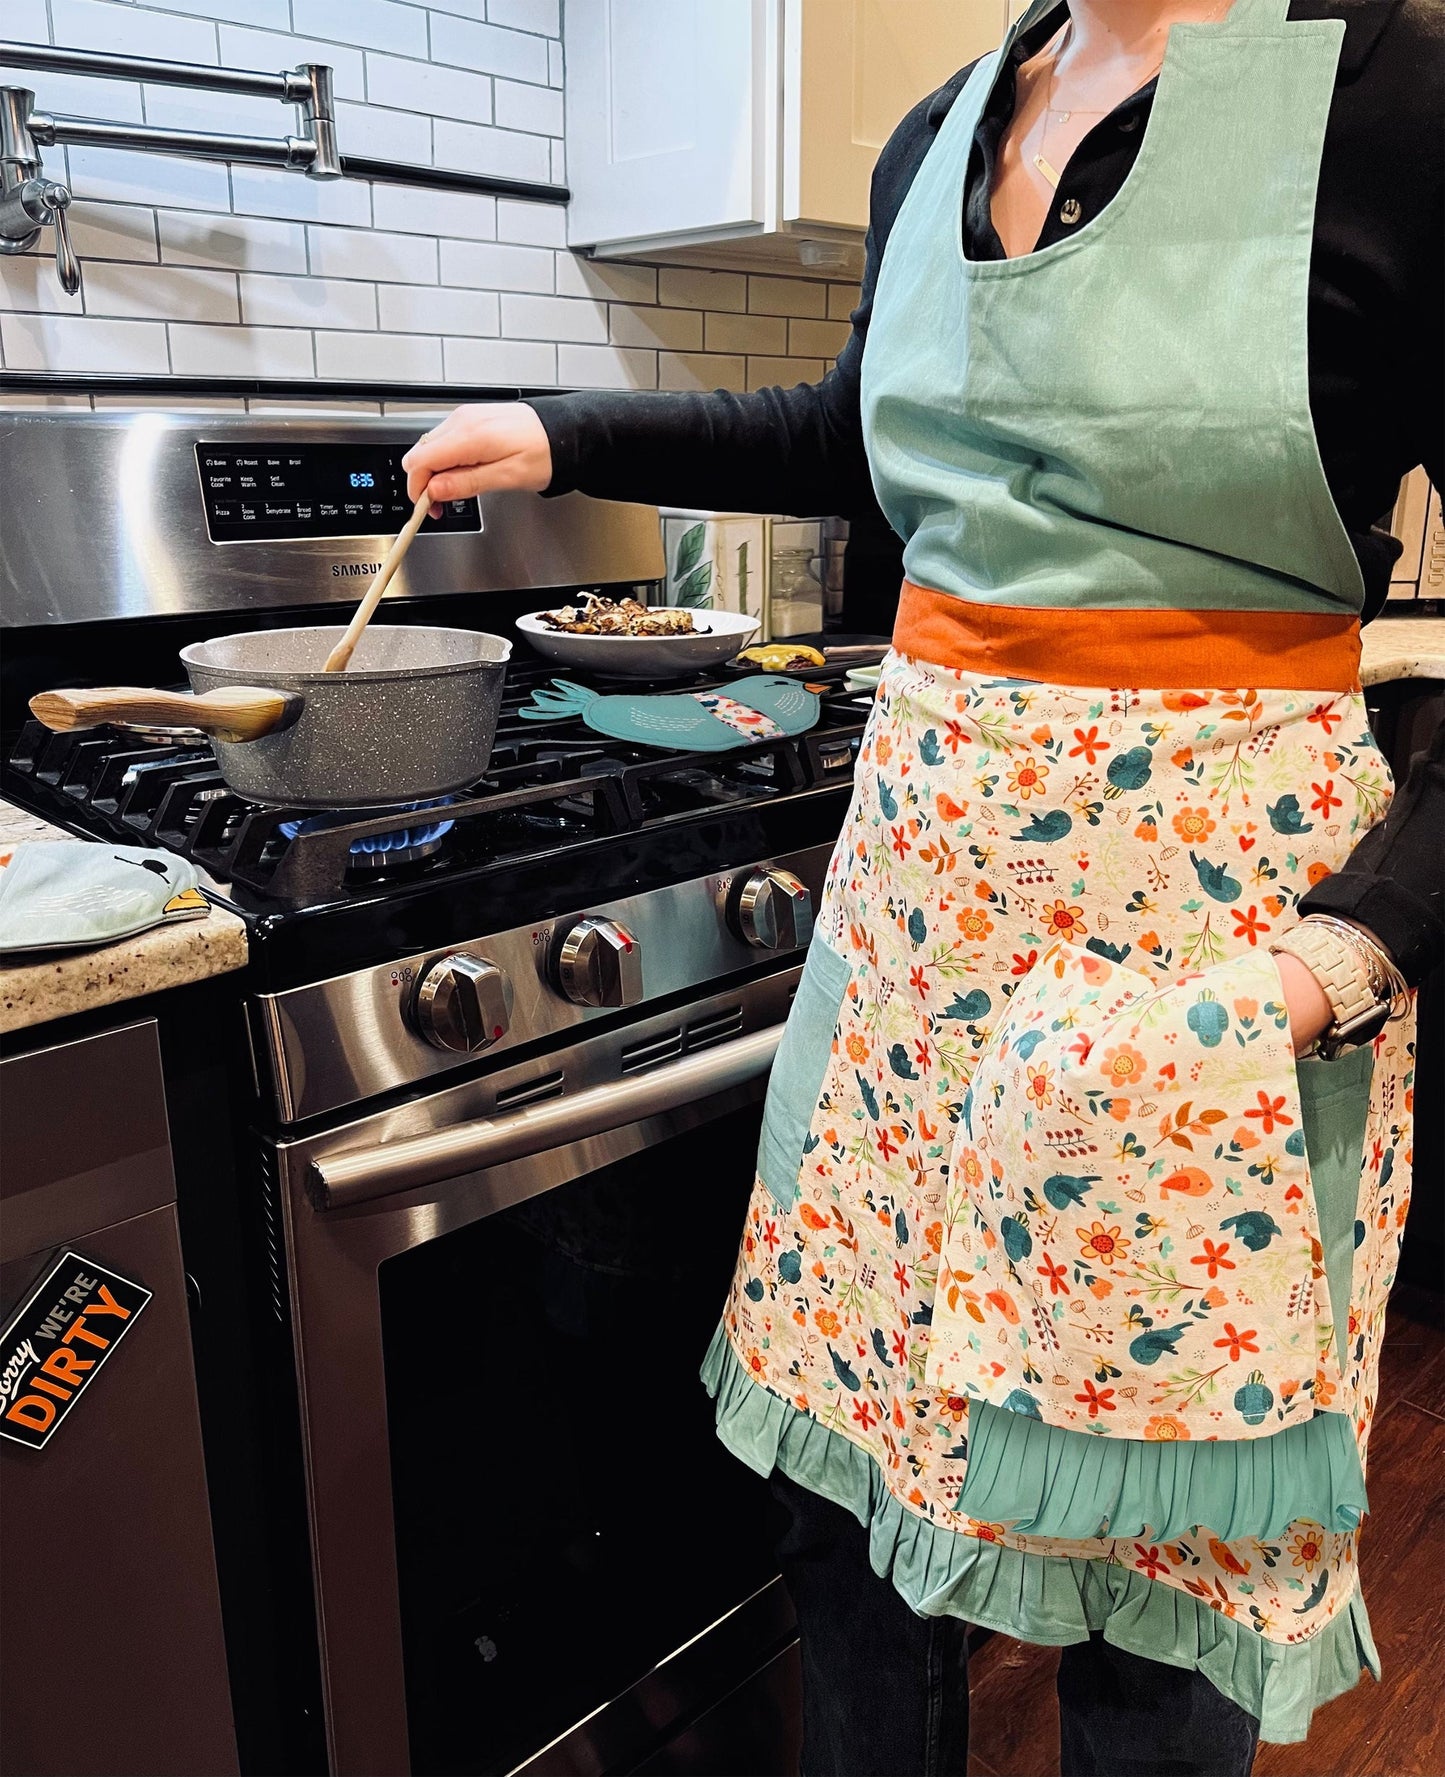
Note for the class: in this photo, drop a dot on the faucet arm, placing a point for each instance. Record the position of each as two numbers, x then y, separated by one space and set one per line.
27 208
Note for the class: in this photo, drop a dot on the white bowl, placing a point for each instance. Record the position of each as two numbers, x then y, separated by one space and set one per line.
718 637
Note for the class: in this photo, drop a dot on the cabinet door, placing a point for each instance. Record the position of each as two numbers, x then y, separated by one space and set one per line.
667 116
851 69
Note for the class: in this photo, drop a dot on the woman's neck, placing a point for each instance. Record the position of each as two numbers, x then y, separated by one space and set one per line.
1114 32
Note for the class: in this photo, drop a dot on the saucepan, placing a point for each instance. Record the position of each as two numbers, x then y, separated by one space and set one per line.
412 718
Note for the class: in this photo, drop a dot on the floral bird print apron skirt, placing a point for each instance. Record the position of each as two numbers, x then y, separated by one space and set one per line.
1043 1196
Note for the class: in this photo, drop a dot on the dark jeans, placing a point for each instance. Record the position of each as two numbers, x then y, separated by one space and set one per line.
885 1692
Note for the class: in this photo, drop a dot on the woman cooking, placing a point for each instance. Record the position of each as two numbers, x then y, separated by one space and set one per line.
1061 1294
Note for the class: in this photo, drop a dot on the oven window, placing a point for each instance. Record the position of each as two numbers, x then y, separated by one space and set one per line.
565 1515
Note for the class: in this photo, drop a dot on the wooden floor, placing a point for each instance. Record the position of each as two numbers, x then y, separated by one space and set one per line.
1392 1729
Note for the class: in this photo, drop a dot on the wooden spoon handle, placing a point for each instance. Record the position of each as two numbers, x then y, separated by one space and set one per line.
339 658
237 712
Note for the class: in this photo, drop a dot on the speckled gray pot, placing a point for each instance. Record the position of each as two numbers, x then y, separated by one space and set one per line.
413 716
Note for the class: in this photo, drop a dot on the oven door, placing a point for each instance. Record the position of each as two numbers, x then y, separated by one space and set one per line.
529 1547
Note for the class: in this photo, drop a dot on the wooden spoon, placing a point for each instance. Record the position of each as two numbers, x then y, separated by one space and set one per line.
339 658
236 712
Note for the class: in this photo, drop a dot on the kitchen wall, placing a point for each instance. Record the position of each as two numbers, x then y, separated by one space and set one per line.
194 268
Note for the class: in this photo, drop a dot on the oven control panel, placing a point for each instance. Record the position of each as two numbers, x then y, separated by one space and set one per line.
271 492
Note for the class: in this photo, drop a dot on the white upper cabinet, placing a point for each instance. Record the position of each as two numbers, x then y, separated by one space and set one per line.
744 132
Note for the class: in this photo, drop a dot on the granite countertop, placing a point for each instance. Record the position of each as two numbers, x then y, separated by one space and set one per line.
1402 648
59 982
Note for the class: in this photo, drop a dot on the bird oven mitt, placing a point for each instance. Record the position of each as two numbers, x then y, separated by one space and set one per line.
1134 1293
66 894
761 707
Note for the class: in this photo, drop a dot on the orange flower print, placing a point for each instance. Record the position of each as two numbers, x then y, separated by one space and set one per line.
1124 1066
1027 778
1325 798
865 1413
1193 825
1056 1275
1040 1087
757 1363
1316 873
1213 1257
857 1047
1249 924
1237 1342
1104 1245
1214 1298
1269 1112
1064 921
827 1323
933 1234
953 1406
1308 1550
986 1533
1164 1428
883 749
1147 830
1097 1400
975 924
1120 1109
1149 1561
1022 964
1089 745
972 1169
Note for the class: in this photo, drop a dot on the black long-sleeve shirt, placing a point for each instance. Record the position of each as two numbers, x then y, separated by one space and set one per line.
1376 368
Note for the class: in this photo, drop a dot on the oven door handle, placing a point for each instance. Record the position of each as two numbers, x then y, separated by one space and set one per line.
363 1174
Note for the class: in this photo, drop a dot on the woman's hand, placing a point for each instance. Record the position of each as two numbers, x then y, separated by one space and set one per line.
1309 1011
478 449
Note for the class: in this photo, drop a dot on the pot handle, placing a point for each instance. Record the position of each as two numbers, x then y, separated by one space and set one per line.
233 713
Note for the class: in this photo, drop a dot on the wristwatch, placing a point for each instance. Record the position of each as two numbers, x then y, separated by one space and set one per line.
1357 988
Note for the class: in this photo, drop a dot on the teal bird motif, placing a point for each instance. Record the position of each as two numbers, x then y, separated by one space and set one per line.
678 720
1044 828
1285 816
1215 879
1158 1342
887 802
1062 1189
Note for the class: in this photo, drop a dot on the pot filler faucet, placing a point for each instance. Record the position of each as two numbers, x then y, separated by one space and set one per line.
30 202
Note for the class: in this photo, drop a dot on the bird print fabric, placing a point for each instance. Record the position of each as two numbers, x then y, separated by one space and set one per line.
1040 1171
759 707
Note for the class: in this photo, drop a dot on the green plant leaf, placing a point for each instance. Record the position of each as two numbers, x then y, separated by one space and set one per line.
694 589
689 550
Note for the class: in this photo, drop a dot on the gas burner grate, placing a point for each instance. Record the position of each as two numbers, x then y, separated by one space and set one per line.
398 847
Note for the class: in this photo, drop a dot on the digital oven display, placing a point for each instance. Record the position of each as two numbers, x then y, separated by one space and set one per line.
266 492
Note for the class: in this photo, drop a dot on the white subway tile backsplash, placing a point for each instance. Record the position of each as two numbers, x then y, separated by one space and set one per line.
367 253
74 95
113 231
534 108
26 21
237 243
555 64
183 108
28 285
272 15
472 148
379 357
273 50
133 31
677 330
766 334
697 370
497 266
423 308
501 361
415 210
467 9
422 86
786 296
684 288
271 301
554 317
541 16
606 367
162 292
269 191
536 225
557 156
383 134
79 343
488 48
368 24
606 278
816 339
240 351
765 373
121 176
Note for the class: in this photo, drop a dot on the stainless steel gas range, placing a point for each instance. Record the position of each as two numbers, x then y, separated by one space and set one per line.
506 1059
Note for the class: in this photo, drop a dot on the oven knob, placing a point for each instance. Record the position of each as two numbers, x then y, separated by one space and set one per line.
600 964
772 910
464 1003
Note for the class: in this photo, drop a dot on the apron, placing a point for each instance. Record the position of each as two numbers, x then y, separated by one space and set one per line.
1049 1228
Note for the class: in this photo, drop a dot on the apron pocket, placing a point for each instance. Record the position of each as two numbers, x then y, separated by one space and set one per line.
1334 1105
798 1070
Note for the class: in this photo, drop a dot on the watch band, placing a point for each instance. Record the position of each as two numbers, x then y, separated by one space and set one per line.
1359 999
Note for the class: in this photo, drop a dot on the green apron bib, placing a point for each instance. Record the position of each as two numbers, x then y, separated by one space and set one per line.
1121 419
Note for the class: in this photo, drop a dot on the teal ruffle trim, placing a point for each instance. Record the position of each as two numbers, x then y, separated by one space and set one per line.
1053 1600
1046 1480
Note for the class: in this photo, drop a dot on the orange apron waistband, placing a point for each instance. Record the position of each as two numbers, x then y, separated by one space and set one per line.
1161 650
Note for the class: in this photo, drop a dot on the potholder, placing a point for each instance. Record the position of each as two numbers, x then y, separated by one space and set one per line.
1131 1228
757 708
70 894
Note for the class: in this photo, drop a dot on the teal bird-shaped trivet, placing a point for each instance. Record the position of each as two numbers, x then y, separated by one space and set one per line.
753 709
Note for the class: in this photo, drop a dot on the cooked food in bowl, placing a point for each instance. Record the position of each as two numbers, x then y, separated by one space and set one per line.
594 615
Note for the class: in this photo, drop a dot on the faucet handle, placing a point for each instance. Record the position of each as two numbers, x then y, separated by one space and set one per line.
67 260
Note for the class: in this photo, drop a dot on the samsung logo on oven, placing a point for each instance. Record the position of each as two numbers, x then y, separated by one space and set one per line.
339 569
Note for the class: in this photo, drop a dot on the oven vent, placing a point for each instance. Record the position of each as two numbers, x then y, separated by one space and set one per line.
640 1056
704 1032
530 1091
